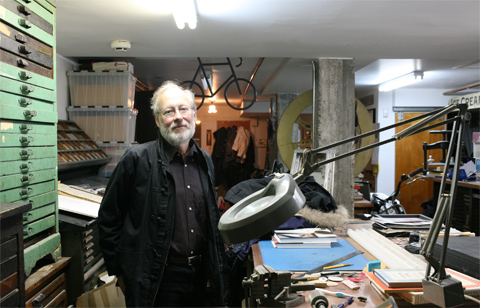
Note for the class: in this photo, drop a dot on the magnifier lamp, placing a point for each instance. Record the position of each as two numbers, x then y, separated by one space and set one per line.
266 209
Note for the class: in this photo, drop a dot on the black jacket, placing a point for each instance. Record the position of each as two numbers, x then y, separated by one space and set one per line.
136 223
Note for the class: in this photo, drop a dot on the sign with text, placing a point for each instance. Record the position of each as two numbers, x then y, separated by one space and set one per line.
472 100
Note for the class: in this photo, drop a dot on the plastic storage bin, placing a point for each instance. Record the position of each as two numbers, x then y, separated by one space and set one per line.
105 123
115 150
102 88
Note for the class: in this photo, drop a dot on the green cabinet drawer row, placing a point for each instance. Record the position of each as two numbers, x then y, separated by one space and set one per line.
26 71
23 88
19 127
26 192
31 12
26 153
27 178
15 100
24 167
14 140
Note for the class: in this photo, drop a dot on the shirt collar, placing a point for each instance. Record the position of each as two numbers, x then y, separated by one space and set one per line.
170 150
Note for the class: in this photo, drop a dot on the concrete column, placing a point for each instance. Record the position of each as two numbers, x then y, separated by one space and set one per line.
334 111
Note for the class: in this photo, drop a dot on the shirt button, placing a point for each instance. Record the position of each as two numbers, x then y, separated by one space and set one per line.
191 252
185 165
191 230
188 186
190 208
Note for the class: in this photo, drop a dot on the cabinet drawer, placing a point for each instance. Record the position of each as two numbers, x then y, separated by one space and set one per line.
24 167
25 154
27 192
8 267
40 200
48 293
17 127
28 90
38 213
21 69
38 226
14 100
29 42
24 51
8 284
15 140
28 114
28 11
25 25
11 300
19 180
8 248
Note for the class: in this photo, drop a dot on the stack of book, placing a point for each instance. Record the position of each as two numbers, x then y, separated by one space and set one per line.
400 225
304 238
406 284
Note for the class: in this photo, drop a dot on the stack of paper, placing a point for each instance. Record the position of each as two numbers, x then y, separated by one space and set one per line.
304 238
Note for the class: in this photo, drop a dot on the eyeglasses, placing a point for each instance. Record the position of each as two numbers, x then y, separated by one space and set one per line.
170 112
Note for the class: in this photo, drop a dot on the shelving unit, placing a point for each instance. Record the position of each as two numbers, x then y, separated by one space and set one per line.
76 149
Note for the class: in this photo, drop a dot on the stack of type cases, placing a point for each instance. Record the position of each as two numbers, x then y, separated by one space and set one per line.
102 106
28 117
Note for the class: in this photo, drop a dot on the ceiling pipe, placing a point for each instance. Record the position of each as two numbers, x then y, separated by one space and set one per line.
254 73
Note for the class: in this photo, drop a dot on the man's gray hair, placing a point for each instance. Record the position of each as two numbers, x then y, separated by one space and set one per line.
167 85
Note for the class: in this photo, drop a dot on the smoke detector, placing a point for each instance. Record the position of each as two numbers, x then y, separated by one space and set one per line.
121 45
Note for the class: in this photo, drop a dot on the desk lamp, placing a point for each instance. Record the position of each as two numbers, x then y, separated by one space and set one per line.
281 199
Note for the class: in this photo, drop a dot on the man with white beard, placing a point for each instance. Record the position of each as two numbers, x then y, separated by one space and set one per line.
158 218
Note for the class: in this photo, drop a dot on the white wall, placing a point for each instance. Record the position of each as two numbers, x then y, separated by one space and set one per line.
63 96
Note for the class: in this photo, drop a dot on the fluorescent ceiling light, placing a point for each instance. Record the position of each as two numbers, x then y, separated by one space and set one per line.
184 13
401 81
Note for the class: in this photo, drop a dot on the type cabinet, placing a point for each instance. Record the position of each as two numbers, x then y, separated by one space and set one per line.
28 117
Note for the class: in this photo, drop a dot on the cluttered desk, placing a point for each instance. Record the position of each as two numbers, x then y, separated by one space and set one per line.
347 273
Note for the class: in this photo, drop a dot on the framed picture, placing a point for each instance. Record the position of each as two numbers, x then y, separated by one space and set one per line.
209 137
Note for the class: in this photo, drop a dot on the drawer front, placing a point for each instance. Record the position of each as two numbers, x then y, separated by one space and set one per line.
11 300
27 192
29 42
38 213
15 140
9 284
28 11
16 127
25 89
24 51
20 180
38 226
28 114
47 295
8 248
24 167
25 154
14 100
25 25
8 267
21 69
40 200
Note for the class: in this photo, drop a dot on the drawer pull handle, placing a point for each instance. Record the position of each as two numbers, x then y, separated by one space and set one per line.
88 239
26 88
87 232
29 231
26 192
25 127
26 139
24 101
25 166
24 23
26 178
20 37
89 252
90 259
25 153
23 9
37 300
24 49
22 63
88 246
27 216
30 113
25 75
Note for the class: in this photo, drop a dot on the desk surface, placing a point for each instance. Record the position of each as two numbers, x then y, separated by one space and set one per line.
365 289
469 184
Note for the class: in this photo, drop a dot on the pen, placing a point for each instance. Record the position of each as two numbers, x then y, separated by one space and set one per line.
345 303
335 266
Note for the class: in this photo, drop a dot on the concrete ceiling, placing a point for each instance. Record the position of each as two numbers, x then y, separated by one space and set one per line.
385 38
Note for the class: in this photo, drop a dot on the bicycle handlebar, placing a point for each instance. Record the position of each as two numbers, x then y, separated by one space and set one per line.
241 62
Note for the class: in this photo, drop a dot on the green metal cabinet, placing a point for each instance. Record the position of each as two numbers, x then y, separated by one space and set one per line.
28 122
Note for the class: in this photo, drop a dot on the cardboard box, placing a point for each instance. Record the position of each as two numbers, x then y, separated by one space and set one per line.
102 88
108 295
117 65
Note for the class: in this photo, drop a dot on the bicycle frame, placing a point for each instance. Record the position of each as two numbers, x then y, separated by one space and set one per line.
201 68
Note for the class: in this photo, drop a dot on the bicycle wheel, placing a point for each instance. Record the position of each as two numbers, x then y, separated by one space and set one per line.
196 89
232 90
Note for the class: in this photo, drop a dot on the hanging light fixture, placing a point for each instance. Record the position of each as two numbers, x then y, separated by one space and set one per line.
401 81
184 13
212 108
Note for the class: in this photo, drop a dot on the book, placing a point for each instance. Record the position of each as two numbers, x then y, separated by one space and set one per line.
301 245
470 285
389 290
395 278
306 235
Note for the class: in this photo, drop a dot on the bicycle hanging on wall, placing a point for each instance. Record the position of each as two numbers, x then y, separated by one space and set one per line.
233 85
